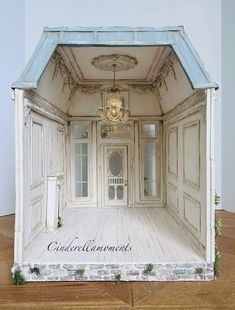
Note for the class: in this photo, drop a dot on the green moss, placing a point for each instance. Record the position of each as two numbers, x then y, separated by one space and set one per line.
148 269
80 272
118 277
59 222
217 260
217 234
35 270
17 277
217 199
217 226
199 270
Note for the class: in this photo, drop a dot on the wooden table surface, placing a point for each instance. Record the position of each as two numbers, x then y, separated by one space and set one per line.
217 294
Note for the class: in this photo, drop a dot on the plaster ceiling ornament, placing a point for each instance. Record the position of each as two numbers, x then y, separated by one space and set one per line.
121 62
141 88
61 68
89 89
113 108
167 68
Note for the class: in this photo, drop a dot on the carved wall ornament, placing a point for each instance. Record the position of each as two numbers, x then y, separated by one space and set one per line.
105 62
122 62
61 68
90 89
167 68
141 89
27 111
30 106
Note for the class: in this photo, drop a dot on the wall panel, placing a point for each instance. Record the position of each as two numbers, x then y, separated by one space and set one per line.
45 155
185 162
191 153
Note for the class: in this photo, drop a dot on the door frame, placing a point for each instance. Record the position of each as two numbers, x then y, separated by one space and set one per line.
130 172
106 147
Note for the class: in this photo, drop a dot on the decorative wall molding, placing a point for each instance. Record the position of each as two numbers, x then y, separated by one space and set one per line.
27 112
191 105
40 109
195 228
105 62
62 69
194 183
141 89
32 96
122 62
160 81
190 183
89 89
171 131
172 189
167 68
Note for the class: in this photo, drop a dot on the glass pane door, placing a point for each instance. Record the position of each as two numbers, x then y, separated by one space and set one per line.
115 174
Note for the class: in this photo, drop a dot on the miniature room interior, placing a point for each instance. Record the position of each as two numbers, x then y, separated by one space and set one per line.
116 159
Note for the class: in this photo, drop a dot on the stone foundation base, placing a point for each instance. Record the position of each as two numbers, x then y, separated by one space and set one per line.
117 272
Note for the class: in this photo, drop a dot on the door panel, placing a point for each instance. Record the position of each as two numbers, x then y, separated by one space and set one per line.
115 175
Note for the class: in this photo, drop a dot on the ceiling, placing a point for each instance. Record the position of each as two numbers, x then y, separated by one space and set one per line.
79 62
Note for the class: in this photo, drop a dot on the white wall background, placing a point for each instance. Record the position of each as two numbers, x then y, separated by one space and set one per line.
201 19
11 63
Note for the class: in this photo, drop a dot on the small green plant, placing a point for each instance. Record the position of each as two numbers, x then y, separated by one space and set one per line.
217 226
148 269
118 277
217 260
199 270
59 222
17 277
217 199
217 234
80 272
35 270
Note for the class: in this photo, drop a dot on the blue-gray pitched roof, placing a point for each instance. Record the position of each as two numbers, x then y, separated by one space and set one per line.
115 36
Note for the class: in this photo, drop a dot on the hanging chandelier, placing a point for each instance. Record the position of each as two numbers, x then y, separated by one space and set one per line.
114 108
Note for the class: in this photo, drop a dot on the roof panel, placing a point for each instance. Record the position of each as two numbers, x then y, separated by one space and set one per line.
115 36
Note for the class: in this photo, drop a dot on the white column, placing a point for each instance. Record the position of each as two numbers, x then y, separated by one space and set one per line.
19 181
210 177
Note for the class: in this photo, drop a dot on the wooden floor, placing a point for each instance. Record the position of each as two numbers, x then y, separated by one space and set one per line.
217 294
149 235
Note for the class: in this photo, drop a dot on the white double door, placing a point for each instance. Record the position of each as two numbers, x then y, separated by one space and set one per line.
115 175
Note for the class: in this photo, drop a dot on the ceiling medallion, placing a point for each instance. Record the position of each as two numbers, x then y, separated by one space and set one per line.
114 109
122 62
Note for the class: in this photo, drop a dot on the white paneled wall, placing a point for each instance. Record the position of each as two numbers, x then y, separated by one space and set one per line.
185 166
45 155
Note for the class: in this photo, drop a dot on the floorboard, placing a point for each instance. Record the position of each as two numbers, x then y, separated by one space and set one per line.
217 294
152 233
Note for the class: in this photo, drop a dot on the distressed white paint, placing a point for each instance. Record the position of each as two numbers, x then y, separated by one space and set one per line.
55 201
19 149
115 175
43 155
184 168
187 179
152 233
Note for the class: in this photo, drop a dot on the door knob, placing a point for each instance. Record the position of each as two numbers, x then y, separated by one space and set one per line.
125 182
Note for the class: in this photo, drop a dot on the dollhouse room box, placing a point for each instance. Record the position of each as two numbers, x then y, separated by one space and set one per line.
114 157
